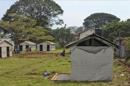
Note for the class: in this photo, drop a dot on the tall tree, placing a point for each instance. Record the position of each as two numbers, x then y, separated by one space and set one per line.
24 28
44 11
97 20
63 36
117 29
30 19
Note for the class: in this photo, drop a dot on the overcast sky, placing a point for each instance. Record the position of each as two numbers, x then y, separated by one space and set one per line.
75 11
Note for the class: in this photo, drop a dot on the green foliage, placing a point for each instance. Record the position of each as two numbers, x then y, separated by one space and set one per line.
30 20
38 34
63 36
24 28
97 20
117 29
45 12
127 42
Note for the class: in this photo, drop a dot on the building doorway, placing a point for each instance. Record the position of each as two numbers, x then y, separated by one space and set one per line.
27 48
21 48
48 47
0 52
8 53
41 47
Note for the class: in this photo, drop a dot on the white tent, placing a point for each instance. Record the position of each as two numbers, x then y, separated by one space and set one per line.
92 59
46 46
27 46
6 49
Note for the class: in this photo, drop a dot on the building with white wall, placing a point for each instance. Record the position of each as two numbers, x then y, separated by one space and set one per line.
6 49
46 46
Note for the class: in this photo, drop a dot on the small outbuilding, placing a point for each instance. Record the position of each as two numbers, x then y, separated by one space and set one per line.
123 51
46 46
27 46
6 49
8 40
92 59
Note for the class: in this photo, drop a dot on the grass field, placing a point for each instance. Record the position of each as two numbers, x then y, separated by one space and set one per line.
27 71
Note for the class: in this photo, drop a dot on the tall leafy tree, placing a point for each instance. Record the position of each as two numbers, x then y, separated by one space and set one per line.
44 11
117 29
30 19
63 36
24 28
97 20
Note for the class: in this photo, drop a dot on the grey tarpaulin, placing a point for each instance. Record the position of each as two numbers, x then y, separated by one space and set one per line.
93 50
92 58
91 63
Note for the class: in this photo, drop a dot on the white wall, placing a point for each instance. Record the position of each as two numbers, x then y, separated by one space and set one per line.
9 40
52 47
4 52
33 48
44 45
4 46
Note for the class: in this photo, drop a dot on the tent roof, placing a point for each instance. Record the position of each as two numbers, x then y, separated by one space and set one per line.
103 40
28 42
6 42
48 42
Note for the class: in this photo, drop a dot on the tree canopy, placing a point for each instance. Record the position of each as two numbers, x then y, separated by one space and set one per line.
117 29
97 20
63 35
24 28
31 20
45 12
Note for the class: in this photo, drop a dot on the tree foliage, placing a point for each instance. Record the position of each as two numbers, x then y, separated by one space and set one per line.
44 11
117 29
63 36
30 19
127 42
97 20
24 28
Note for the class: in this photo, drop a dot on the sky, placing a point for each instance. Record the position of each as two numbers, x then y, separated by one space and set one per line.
75 11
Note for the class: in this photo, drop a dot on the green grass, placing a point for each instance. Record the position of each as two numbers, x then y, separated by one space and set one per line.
27 71
60 50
